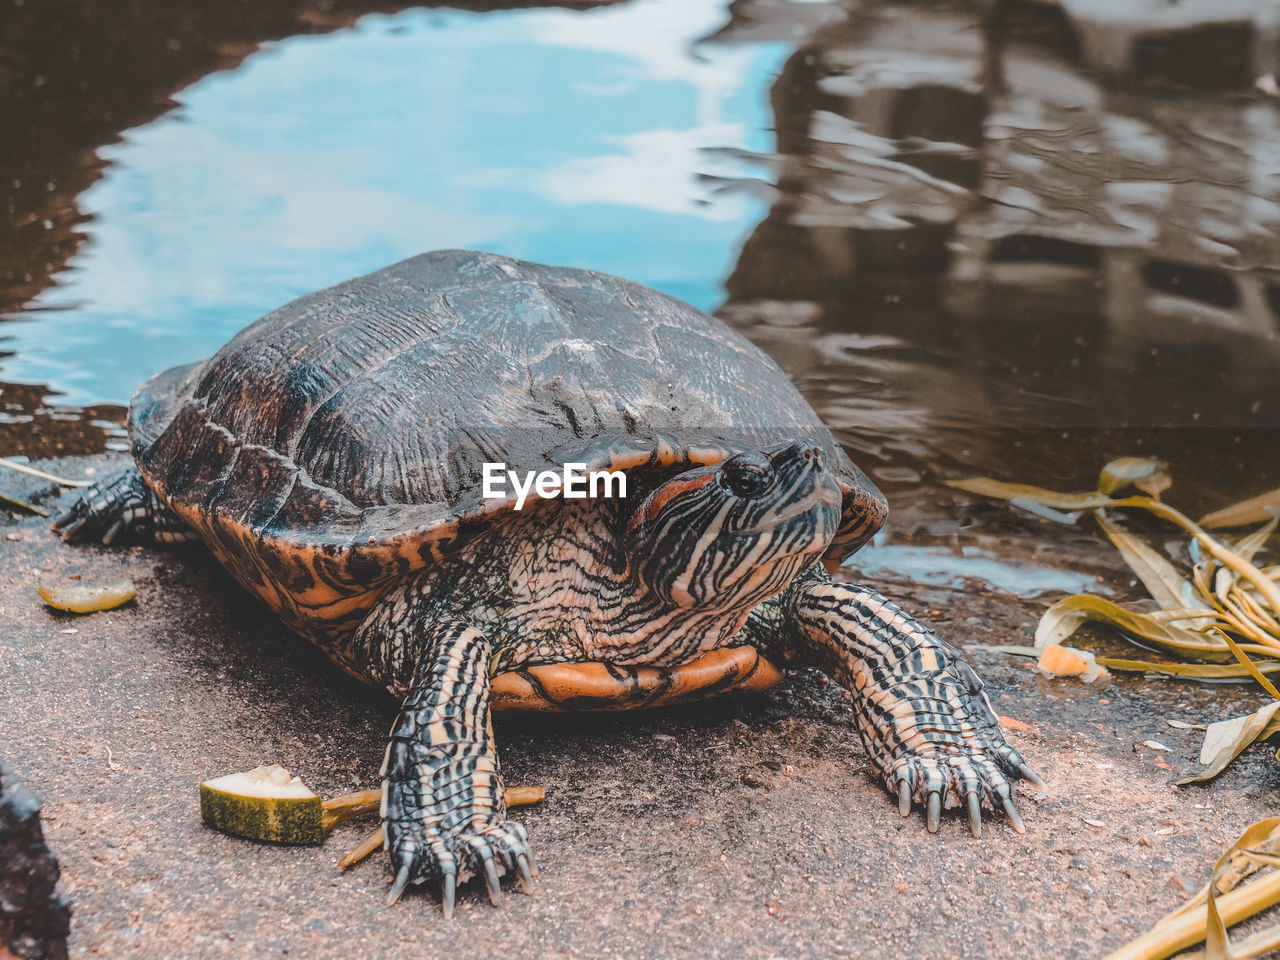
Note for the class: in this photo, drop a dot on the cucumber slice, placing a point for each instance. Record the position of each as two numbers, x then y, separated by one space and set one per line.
264 803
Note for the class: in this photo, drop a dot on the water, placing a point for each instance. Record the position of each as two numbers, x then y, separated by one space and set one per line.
1017 242
581 139
954 569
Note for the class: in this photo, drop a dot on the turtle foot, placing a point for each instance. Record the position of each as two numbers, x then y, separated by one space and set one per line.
951 754
121 507
493 851
446 822
971 779
350 805
924 718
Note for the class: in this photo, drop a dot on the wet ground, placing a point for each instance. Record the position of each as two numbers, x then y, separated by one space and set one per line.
744 827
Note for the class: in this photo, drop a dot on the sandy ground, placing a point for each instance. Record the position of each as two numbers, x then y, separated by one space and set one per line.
746 827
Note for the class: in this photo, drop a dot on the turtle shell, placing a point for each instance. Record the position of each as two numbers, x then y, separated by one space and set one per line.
338 442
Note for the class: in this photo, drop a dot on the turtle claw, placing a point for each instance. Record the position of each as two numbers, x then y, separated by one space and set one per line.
117 528
69 525
498 849
491 877
934 812
904 797
1026 773
524 873
1011 812
971 779
448 893
975 813
399 884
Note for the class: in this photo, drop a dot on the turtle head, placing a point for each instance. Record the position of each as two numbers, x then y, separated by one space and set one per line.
735 533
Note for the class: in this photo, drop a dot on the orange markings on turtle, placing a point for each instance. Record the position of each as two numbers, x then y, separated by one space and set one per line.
660 498
558 687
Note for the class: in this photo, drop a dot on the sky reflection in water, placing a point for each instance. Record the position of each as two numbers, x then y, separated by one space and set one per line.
571 138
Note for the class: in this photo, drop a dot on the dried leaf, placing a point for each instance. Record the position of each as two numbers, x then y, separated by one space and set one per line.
1228 599
1016 649
1249 546
1253 510
1266 588
1224 740
1067 519
1066 616
1243 659
1217 946
15 504
1149 475
1255 945
1162 580
1194 671
1240 860
1200 916
23 468
1020 491
1222 581
1258 835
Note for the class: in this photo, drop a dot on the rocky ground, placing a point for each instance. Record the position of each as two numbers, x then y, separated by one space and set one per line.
740 828
34 915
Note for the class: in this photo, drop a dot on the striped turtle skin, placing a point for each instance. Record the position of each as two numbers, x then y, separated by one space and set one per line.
332 457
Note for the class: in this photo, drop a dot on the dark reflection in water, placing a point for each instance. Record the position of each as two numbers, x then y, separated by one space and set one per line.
985 259
998 237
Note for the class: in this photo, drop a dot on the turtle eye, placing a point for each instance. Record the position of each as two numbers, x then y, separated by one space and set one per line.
745 477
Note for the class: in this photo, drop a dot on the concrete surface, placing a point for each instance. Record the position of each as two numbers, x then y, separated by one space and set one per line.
739 828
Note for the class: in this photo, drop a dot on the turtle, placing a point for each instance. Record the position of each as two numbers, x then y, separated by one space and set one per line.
341 458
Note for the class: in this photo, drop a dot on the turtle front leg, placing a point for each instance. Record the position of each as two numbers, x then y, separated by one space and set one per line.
121 507
443 810
924 718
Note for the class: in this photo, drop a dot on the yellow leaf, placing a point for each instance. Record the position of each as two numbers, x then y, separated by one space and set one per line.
1021 491
1253 510
1067 616
1144 473
1196 671
1224 740
1162 580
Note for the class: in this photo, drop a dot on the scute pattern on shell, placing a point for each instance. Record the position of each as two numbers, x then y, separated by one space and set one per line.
347 430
